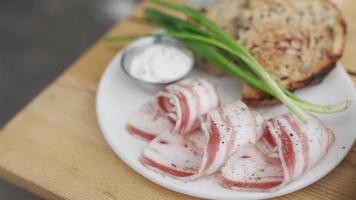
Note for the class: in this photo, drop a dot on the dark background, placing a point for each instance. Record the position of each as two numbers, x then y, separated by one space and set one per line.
38 40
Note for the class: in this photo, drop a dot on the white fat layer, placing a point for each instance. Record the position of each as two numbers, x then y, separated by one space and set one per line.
205 126
251 169
243 122
259 126
171 150
196 141
149 118
207 99
209 95
319 138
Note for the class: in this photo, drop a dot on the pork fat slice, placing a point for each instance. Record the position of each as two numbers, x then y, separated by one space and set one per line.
287 150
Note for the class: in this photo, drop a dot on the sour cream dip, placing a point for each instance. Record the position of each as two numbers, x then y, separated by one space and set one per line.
158 60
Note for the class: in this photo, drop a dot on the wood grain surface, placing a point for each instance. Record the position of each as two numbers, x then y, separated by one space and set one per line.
54 147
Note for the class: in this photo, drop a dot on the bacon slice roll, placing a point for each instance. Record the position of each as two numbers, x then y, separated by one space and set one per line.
148 122
186 101
227 128
287 149
171 154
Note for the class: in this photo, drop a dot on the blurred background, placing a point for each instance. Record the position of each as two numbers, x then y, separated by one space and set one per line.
38 40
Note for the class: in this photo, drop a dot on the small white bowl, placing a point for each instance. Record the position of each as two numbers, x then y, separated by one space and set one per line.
138 46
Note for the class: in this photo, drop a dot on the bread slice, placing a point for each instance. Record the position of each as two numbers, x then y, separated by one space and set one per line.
297 41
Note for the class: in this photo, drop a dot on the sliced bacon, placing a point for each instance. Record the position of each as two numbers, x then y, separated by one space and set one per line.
171 154
287 149
186 101
227 128
196 141
178 107
250 169
148 122
204 152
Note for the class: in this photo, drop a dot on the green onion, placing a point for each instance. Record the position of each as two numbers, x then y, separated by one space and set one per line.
164 20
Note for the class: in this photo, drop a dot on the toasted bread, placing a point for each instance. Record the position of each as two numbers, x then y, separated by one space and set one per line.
297 41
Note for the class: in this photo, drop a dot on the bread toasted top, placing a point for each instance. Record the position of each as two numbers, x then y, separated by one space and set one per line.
297 41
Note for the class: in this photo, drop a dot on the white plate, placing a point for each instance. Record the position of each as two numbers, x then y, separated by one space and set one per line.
118 96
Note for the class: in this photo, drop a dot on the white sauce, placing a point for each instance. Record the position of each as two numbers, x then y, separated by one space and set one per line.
160 63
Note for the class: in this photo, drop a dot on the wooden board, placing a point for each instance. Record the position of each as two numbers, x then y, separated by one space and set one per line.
54 147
